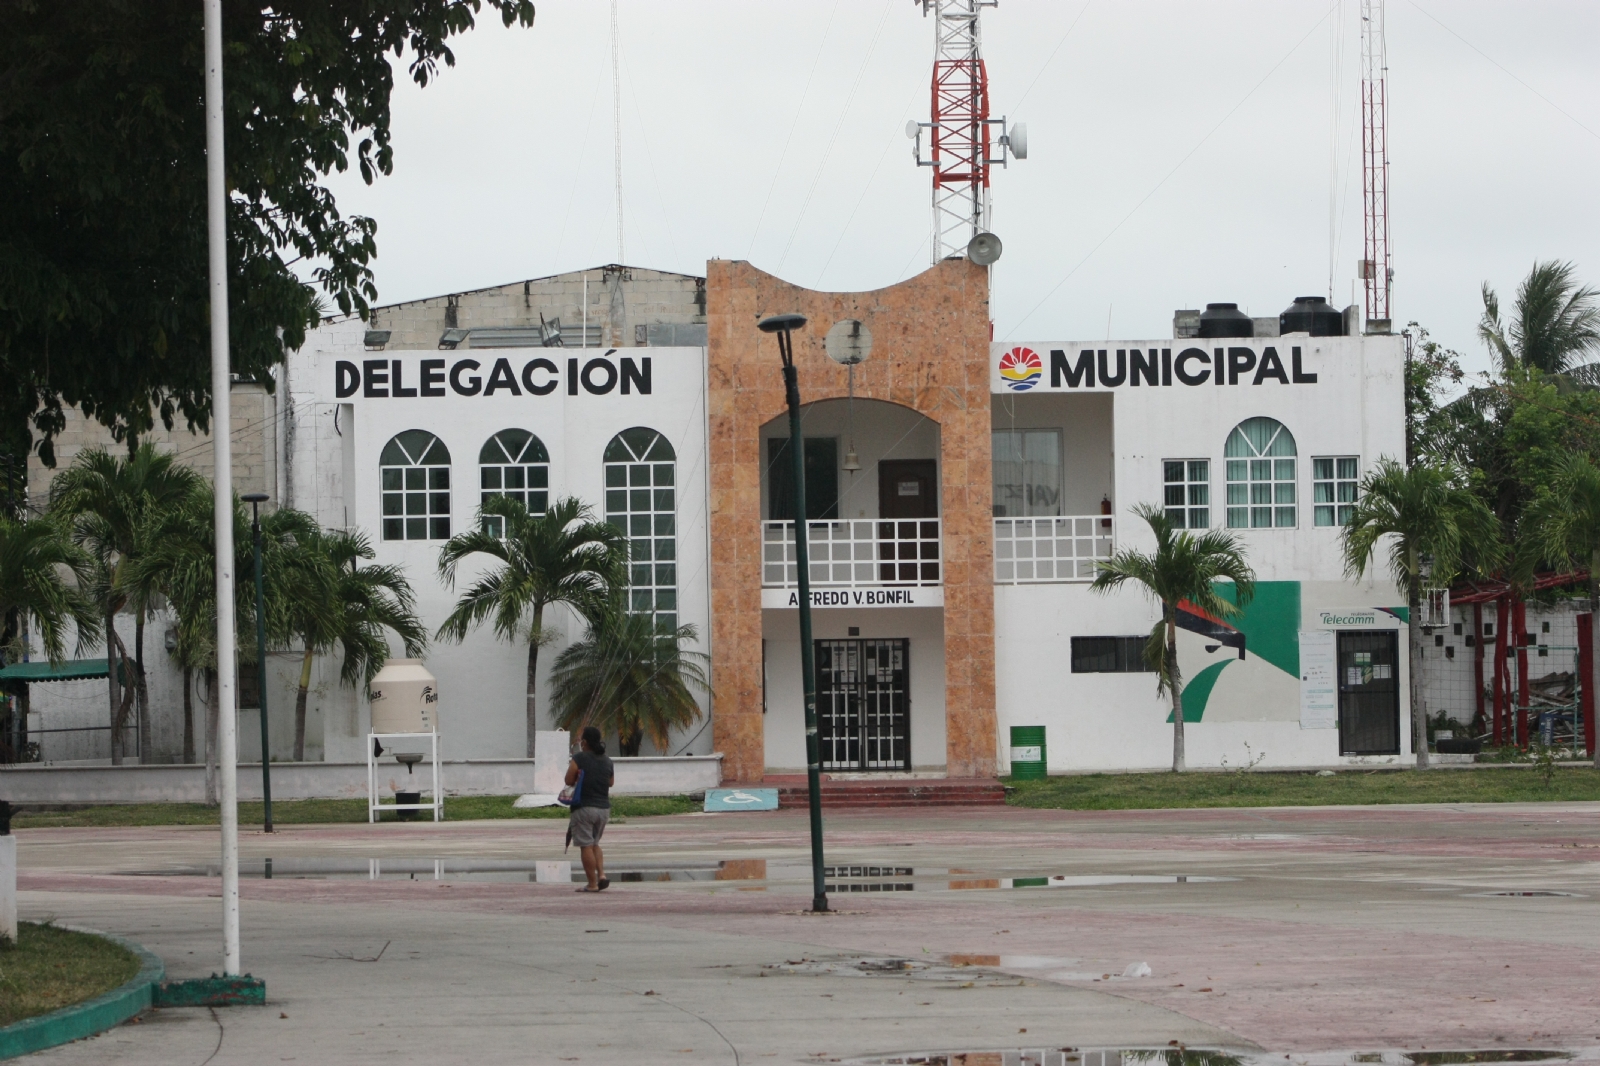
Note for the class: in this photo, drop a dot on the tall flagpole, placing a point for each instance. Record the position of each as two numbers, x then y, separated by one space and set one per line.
616 126
222 453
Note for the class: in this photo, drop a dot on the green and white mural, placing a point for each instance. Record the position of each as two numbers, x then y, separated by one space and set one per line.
1247 668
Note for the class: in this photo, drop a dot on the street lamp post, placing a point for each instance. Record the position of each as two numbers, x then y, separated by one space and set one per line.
256 499
784 326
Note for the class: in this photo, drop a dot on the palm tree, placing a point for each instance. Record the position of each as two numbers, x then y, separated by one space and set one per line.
562 556
1428 517
36 557
1563 527
351 606
1557 324
111 502
179 561
33 555
1183 568
182 565
630 676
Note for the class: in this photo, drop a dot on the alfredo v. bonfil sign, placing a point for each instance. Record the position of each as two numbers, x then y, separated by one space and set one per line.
390 378
873 596
1022 368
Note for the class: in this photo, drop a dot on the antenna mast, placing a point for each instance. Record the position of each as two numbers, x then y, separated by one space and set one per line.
1376 269
616 123
959 131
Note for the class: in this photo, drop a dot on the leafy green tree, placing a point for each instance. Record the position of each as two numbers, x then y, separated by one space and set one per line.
1556 324
1432 372
1425 516
103 282
1509 433
352 607
1185 567
630 677
1544 422
1562 528
562 556
112 502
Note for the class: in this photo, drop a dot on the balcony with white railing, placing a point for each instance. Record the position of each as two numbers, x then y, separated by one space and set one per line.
854 553
1030 551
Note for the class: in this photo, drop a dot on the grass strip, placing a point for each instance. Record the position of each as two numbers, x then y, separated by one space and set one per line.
310 812
1257 788
50 968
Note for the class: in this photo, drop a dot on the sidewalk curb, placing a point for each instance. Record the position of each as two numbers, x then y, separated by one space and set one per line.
92 1016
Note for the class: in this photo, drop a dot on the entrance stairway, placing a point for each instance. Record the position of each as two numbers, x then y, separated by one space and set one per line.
841 792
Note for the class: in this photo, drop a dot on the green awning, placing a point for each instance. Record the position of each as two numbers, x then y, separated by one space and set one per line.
70 670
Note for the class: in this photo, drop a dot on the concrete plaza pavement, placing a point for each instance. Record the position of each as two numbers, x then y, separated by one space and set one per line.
1294 930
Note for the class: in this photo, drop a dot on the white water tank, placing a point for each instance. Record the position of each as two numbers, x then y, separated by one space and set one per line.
405 698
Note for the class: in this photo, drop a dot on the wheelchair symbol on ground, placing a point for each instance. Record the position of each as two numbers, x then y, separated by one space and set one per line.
741 799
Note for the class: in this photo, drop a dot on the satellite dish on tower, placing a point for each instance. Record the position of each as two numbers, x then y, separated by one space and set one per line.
849 342
912 126
1018 139
984 249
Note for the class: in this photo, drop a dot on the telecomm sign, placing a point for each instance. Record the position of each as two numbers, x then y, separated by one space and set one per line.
1021 369
378 379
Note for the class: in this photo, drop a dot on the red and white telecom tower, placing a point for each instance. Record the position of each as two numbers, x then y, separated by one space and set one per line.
959 135
1376 270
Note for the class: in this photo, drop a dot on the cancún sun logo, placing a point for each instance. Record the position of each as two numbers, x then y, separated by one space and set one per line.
1021 367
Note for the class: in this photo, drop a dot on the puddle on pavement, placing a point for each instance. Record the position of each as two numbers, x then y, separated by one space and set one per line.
1187 1056
745 874
539 871
962 969
923 879
935 968
1046 967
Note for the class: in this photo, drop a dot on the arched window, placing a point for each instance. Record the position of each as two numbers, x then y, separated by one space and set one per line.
415 472
514 463
1260 455
641 500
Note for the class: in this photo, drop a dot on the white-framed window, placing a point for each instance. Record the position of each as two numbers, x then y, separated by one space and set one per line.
1260 457
514 463
641 500
1027 472
414 472
1335 481
1186 485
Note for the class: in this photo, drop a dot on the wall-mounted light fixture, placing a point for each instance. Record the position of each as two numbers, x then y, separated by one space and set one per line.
452 337
375 339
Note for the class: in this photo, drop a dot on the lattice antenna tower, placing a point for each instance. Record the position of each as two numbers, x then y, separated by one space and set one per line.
960 145
1377 271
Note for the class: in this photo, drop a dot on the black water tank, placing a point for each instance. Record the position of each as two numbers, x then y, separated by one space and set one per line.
1225 320
1313 315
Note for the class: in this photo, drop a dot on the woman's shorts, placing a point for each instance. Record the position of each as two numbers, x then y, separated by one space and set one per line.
588 823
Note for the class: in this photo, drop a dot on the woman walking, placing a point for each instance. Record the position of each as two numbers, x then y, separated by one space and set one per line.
592 807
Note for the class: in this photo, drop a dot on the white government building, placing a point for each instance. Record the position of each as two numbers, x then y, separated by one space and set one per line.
952 545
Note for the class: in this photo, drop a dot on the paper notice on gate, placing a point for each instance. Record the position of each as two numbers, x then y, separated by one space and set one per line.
1319 691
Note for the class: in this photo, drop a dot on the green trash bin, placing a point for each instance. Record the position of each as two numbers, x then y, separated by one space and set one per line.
1027 751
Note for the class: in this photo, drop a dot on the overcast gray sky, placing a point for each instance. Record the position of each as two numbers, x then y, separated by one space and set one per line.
1180 152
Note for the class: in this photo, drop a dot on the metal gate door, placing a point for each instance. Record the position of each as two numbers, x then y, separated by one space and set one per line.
1369 693
864 704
